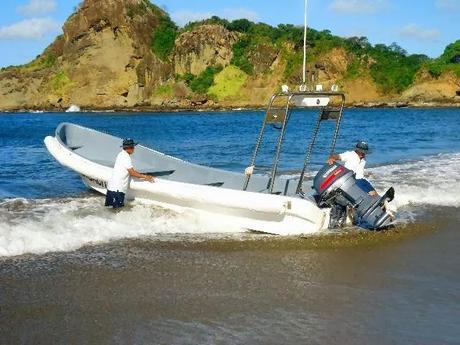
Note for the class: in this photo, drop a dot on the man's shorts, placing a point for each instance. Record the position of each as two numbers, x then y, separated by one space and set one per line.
364 185
115 199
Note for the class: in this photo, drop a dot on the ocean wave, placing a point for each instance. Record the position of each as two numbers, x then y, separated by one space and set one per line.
432 180
40 226
65 224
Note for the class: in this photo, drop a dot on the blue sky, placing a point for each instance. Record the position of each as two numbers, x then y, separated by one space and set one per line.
424 26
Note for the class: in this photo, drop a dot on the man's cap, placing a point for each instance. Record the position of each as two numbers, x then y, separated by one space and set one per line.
127 143
362 146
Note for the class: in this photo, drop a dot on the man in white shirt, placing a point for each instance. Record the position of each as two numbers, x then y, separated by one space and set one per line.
123 170
355 161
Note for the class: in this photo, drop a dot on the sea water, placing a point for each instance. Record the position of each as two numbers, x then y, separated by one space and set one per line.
74 271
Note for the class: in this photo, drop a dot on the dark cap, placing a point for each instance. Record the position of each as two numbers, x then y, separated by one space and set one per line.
362 146
127 143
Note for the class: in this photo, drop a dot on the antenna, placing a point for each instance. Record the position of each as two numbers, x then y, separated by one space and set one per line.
303 87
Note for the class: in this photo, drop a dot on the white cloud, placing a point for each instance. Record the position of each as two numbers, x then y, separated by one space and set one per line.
416 32
29 29
38 7
448 4
358 6
184 17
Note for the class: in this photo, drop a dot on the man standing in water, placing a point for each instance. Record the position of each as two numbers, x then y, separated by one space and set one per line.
121 175
355 161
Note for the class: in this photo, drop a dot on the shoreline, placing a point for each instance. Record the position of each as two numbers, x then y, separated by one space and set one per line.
223 108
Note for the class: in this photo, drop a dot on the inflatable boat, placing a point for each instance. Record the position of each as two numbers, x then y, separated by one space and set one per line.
262 201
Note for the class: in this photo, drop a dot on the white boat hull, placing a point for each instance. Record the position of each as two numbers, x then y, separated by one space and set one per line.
274 214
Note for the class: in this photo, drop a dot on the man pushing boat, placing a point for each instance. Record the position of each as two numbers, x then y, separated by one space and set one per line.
356 161
123 170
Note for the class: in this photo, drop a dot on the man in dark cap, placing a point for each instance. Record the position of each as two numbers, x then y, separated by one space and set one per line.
355 161
121 175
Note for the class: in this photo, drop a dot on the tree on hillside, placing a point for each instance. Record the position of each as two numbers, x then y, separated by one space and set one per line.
395 47
448 61
452 53
164 37
240 25
358 43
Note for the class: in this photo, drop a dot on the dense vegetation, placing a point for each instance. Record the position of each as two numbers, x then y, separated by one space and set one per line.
201 83
227 83
240 55
164 36
448 61
390 66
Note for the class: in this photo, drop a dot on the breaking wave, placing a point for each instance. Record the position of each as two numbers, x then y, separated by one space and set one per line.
433 180
44 225
40 226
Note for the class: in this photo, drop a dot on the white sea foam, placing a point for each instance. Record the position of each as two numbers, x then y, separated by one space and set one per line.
434 180
28 226
39 226
431 181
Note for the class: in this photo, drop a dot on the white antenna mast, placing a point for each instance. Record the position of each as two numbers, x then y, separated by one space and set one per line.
303 87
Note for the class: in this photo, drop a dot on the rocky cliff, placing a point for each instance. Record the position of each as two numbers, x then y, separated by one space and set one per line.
207 45
126 54
102 60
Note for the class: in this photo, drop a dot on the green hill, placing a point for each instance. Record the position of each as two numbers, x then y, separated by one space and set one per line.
130 54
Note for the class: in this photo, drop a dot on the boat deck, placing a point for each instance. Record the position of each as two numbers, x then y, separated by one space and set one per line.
103 148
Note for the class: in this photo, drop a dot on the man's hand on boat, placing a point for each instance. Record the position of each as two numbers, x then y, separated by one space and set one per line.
331 160
249 170
134 173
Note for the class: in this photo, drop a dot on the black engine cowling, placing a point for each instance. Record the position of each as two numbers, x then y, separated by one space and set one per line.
336 188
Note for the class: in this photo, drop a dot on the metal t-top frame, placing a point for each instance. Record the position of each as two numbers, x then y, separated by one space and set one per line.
281 116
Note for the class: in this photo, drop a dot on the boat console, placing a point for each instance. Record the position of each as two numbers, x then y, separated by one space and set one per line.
330 106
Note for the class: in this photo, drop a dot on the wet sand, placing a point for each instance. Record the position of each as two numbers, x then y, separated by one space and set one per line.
397 287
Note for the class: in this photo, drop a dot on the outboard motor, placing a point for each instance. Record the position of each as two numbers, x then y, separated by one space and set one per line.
336 188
